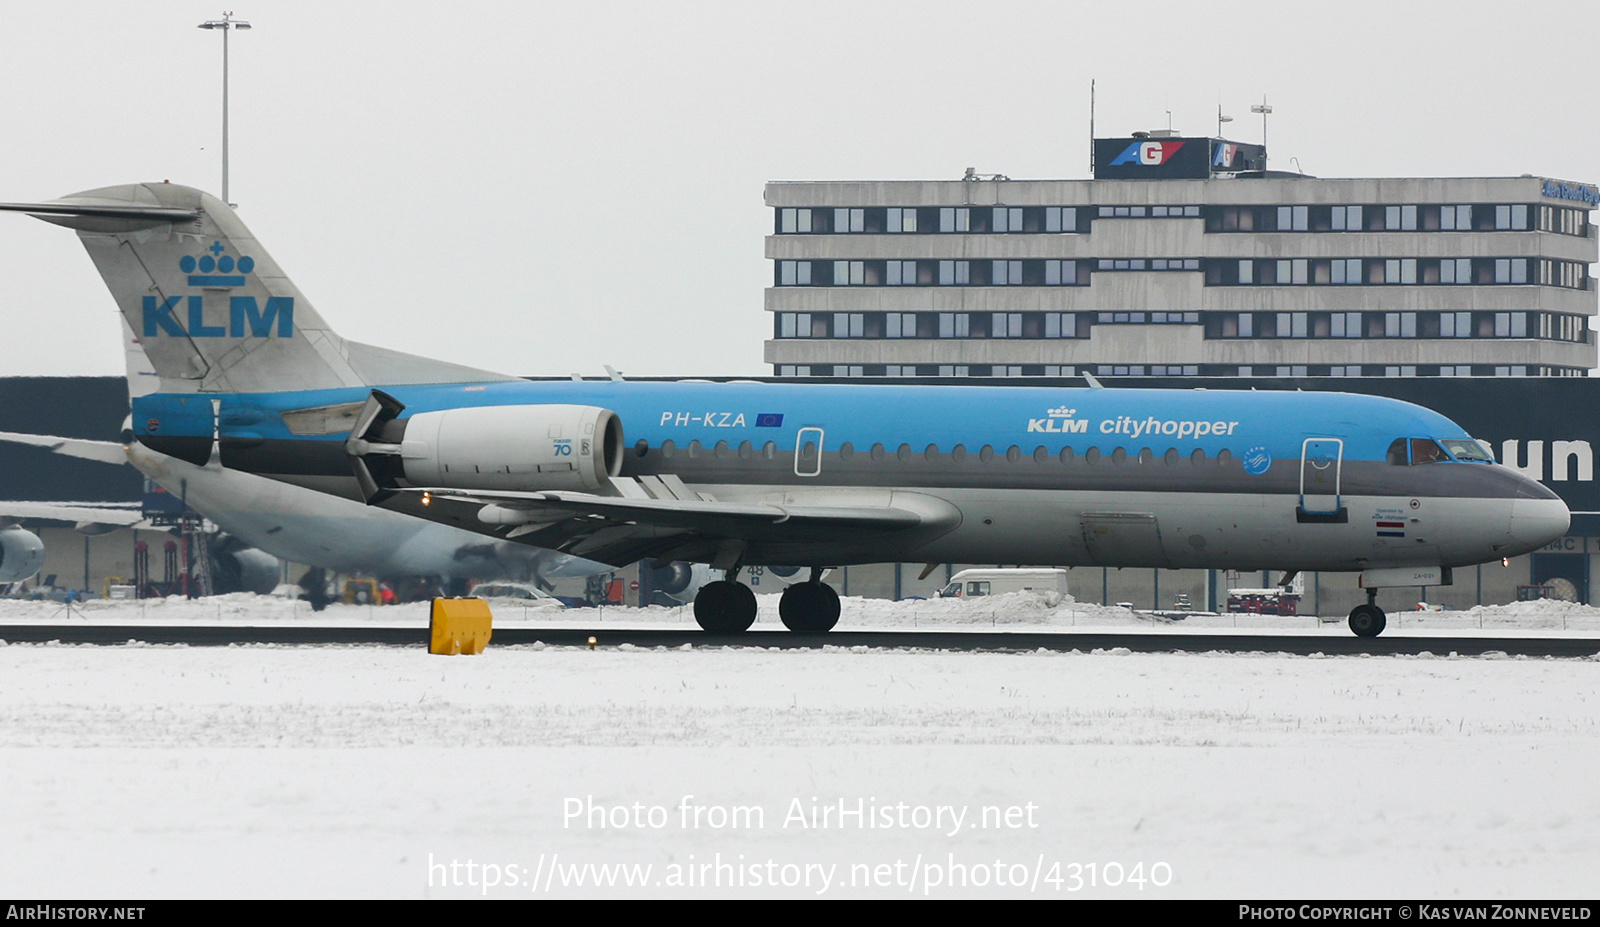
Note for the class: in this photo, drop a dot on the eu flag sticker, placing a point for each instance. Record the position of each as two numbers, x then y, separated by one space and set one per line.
769 420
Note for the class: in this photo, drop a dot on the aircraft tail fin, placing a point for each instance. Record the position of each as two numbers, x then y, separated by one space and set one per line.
209 307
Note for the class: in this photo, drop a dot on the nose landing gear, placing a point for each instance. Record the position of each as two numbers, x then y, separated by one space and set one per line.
1368 620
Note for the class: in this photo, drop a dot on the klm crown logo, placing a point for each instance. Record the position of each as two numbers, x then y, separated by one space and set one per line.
246 316
216 268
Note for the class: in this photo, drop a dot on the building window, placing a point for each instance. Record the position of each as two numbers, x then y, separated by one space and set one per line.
1512 217
955 219
1455 218
901 273
1511 325
849 273
1400 218
849 220
794 220
1344 325
1005 325
1291 272
1401 270
1511 270
1060 325
1291 325
954 325
1006 273
1346 271
794 273
1006 219
1345 219
1062 219
1564 221
1061 273
900 325
849 325
1399 325
955 273
900 219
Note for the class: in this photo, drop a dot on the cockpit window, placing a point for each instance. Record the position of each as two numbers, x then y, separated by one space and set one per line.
1467 449
1414 451
1426 451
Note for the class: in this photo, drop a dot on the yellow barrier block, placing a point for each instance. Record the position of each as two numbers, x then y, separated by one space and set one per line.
459 626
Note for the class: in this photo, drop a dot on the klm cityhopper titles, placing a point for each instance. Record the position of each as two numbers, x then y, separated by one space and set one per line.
736 475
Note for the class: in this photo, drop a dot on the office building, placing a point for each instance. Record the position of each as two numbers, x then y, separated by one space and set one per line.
1182 257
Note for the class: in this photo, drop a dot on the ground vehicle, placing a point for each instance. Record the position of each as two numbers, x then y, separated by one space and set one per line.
1266 601
525 595
970 583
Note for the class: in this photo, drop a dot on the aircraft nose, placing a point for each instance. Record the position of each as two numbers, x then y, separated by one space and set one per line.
1537 522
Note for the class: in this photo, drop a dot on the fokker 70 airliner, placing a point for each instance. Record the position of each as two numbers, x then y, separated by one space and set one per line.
737 475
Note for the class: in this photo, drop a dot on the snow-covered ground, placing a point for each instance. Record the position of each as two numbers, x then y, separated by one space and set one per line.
1019 610
264 771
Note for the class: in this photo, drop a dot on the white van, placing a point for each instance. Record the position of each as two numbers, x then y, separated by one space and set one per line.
973 583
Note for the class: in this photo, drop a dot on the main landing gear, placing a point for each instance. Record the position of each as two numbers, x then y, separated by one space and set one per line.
729 607
725 607
811 607
1368 620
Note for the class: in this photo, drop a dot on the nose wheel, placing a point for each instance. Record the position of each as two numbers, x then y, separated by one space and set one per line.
1368 620
725 607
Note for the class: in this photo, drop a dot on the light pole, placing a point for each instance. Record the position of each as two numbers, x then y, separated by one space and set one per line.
227 24
1265 111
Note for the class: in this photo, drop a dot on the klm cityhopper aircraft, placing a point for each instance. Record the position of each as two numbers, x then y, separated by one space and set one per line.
744 474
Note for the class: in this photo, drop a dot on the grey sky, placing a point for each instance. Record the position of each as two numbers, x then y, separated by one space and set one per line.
542 188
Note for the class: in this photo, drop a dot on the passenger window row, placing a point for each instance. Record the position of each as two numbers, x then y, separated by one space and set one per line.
905 453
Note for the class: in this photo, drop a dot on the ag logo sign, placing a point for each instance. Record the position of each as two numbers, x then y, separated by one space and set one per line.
1148 153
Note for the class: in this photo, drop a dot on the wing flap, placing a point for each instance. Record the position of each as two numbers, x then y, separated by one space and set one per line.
620 530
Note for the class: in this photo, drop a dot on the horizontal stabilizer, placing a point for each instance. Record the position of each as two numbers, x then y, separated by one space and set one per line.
103 215
104 451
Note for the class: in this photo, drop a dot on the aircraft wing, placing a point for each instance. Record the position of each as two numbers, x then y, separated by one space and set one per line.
621 530
84 516
80 514
104 451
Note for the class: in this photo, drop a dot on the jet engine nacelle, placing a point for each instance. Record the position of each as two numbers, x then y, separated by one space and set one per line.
21 554
681 581
528 447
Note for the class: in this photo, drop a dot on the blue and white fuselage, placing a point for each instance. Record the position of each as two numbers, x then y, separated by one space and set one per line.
1191 478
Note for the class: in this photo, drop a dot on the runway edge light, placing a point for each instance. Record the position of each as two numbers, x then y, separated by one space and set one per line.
459 626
